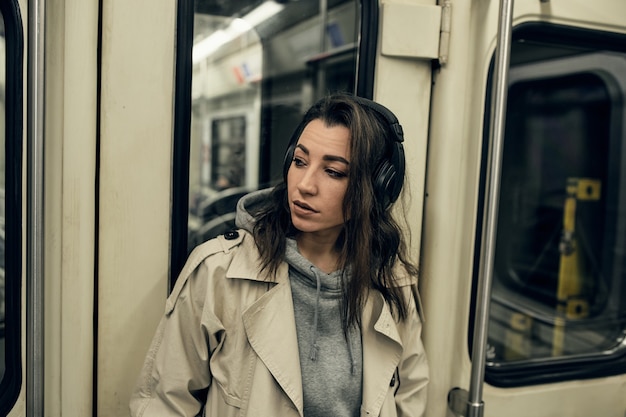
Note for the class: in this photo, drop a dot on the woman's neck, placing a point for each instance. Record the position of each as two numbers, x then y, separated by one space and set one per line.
320 252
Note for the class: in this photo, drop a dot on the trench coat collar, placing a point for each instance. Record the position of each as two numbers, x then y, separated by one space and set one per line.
270 327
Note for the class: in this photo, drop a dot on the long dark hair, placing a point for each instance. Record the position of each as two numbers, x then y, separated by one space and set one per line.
371 243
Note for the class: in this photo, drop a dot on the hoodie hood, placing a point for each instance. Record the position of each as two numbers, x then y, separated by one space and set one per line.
246 204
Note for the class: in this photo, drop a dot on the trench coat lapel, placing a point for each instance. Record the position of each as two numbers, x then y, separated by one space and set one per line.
271 330
382 350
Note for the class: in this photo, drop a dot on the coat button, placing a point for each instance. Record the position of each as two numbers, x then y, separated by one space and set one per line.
231 235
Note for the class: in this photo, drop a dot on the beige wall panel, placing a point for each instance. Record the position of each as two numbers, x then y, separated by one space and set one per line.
136 142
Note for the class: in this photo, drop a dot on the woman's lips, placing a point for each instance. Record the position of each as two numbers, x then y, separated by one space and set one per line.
303 207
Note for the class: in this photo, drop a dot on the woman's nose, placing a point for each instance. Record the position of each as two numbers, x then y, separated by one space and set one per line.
307 183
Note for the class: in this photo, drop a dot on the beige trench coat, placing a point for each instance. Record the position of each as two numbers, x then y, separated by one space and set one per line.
228 330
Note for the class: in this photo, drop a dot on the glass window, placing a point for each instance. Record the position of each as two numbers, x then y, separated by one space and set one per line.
256 66
558 299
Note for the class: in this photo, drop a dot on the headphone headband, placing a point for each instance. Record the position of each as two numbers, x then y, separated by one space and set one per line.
391 119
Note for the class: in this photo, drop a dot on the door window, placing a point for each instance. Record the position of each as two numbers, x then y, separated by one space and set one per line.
256 66
558 306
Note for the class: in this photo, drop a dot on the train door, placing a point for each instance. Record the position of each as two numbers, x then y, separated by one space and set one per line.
245 72
554 329
558 301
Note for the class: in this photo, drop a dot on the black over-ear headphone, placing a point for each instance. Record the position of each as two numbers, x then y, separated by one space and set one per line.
389 175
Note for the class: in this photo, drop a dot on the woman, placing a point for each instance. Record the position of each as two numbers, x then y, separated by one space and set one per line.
310 308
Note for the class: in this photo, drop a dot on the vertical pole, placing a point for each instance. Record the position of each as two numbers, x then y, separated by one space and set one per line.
35 194
475 405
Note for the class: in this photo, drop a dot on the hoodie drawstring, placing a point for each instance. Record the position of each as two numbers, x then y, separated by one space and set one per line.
314 347
352 360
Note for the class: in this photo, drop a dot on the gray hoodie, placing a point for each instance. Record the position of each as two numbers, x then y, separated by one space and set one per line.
331 365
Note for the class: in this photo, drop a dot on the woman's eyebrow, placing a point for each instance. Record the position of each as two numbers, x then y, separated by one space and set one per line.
335 158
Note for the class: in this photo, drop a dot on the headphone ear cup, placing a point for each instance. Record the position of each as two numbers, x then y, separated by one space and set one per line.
389 177
384 177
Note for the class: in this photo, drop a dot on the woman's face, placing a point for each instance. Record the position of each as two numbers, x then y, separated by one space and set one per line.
318 178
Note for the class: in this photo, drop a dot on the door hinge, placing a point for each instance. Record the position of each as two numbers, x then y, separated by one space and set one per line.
444 33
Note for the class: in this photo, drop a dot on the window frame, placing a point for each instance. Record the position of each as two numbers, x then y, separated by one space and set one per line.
11 383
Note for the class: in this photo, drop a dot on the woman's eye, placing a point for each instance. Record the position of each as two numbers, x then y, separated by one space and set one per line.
298 162
336 174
